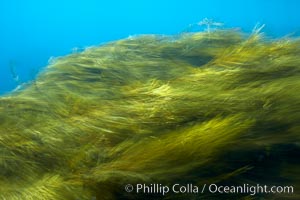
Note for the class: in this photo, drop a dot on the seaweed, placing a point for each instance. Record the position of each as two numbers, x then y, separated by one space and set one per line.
218 107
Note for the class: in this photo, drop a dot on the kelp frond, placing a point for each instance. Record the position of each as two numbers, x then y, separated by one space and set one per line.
218 107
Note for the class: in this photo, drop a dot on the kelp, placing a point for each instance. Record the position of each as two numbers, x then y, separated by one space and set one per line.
218 107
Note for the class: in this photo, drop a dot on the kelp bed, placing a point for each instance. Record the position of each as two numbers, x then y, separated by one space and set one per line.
219 107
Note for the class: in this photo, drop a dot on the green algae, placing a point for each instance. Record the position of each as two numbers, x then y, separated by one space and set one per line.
218 107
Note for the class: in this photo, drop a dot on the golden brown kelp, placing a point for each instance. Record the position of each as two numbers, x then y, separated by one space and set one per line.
200 108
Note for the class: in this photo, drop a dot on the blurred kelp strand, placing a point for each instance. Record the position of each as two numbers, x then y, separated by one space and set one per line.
198 108
19 83
12 67
208 23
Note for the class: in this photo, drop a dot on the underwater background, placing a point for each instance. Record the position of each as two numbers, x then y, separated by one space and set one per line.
149 100
33 31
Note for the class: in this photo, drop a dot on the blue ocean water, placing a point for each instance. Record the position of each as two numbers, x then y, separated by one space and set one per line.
33 31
